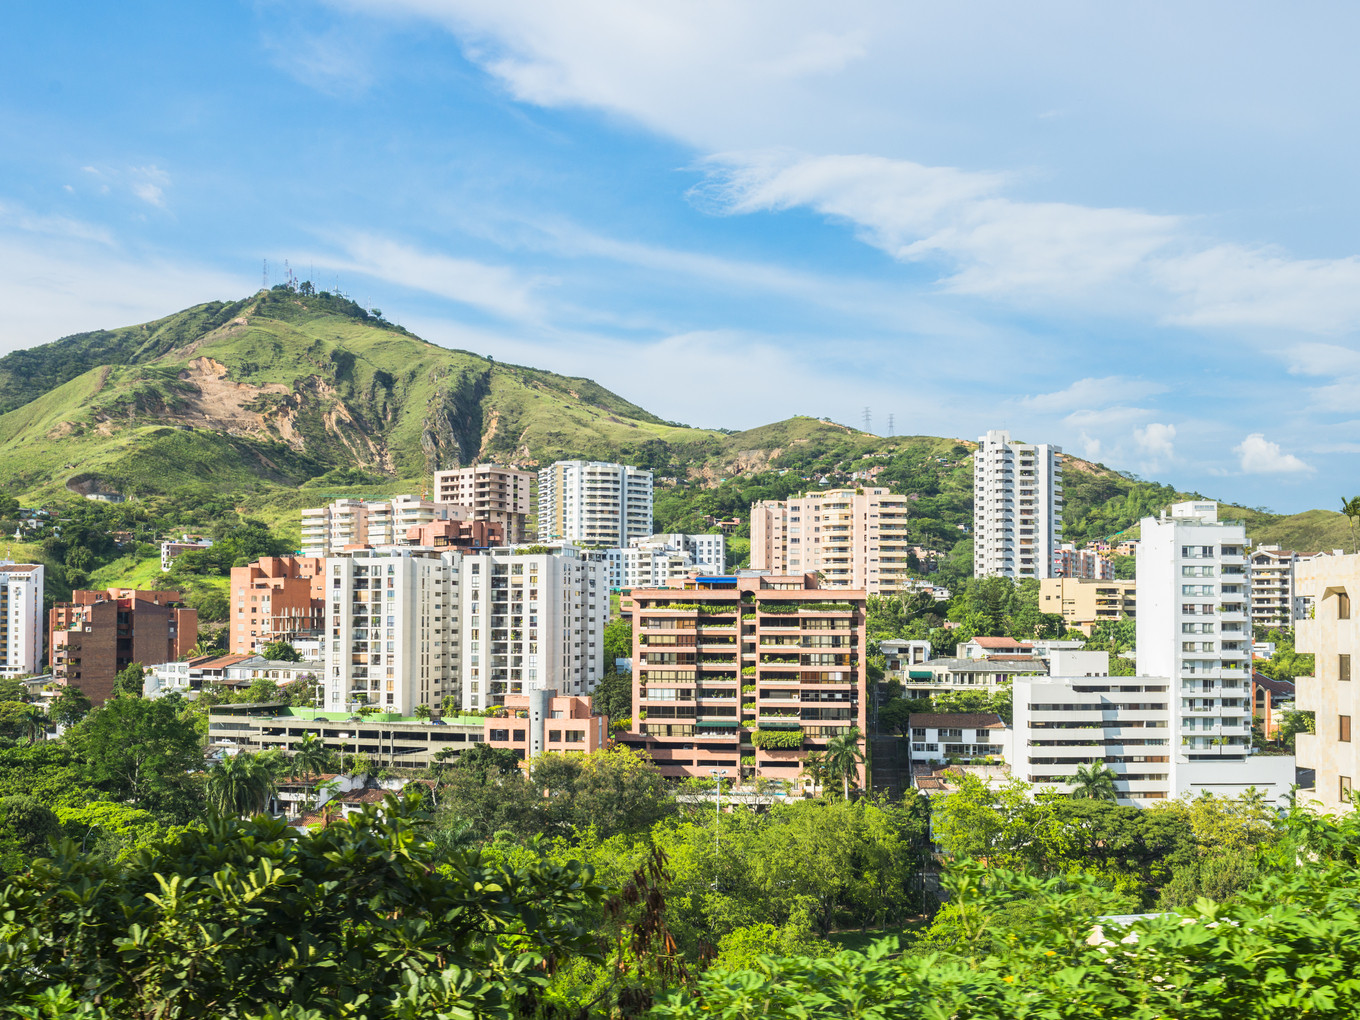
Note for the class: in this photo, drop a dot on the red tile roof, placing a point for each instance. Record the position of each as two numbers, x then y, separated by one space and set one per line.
1000 642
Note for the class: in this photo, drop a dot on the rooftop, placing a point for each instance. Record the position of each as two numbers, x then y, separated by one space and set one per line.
956 720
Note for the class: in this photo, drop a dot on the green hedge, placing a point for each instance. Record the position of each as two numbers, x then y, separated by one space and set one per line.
780 740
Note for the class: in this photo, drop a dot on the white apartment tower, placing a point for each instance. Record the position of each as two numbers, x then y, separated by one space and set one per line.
593 503
21 619
1194 627
392 629
1017 507
492 493
530 621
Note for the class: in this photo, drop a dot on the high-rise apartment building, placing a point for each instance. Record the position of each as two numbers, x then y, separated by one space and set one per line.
98 634
1332 634
392 622
1272 587
1082 564
531 621
697 646
1017 507
1194 627
593 503
21 619
276 598
492 493
651 562
849 538
329 530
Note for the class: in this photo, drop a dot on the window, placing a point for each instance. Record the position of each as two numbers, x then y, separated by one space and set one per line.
1344 728
1343 606
1345 787
1343 666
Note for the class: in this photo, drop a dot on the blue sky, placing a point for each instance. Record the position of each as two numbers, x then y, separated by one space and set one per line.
1131 231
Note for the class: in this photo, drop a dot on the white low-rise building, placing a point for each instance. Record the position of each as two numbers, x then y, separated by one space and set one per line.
940 737
22 620
190 676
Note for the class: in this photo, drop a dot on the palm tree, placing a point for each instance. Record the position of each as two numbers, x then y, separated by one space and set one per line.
1351 508
422 712
309 757
34 721
814 768
241 785
843 756
1094 782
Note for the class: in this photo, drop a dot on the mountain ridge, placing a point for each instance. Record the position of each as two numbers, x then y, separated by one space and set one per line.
289 386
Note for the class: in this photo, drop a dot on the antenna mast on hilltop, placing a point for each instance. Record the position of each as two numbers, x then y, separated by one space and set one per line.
868 419
264 275
890 426
288 275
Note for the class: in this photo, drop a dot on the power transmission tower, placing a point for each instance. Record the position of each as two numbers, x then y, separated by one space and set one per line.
868 419
264 275
890 426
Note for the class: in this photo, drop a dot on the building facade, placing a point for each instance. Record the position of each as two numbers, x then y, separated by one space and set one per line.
21 619
329 530
700 644
1332 635
1017 507
1084 605
1272 587
393 632
170 550
593 503
1087 564
1194 627
531 621
492 493
276 598
542 722
98 634
651 562
849 538
939 737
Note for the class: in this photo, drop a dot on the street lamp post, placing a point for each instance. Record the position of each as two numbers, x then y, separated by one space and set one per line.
717 775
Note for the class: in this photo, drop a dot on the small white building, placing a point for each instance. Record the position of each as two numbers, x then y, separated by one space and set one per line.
188 543
189 677
938 737
22 620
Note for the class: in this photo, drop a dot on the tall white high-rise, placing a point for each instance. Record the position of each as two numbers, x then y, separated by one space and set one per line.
1194 627
530 621
21 618
594 503
391 629
1017 507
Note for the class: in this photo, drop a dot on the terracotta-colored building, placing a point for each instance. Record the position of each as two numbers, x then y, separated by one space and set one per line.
100 633
456 535
277 598
540 721
759 667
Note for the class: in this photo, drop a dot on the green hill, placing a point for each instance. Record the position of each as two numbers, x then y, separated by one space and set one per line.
290 397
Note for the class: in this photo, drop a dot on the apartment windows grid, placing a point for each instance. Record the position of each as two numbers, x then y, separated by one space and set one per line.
1343 666
1017 520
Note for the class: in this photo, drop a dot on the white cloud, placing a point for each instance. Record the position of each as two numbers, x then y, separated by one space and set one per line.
149 183
497 289
1259 456
1156 440
1089 393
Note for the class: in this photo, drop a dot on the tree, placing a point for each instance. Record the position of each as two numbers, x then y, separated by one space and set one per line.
1094 782
281 651
1351 508
614 695
129 682
12 690
309 756
484 761
843 756
70 706
815 769
241 785
422 711
618 641
613 791
26 824
137 749
385 929
35 723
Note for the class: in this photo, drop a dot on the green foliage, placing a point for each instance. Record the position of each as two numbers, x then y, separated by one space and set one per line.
26 824
129 682
241 784
618 641
141 751
281 651
12 690
777 739
70 706
217 924
1094 782
614 695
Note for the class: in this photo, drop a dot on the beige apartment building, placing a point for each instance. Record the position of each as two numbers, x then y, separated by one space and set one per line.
1332 635
849 538
1272 586
1083 604
493 493
745 673
594 503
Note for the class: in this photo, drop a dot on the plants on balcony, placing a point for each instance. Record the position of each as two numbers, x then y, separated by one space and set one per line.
748 671
777 740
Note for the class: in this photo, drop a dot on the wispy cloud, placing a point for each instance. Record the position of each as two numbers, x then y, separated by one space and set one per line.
1090 393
